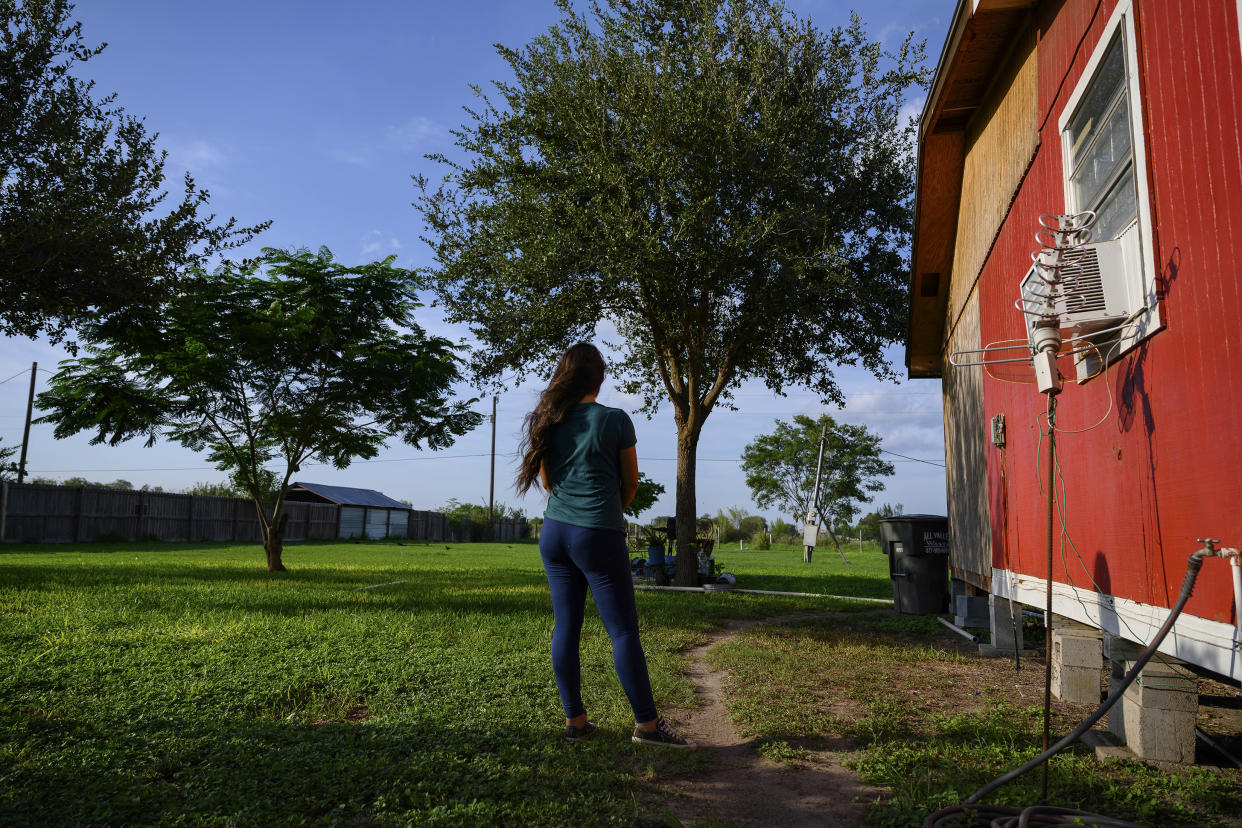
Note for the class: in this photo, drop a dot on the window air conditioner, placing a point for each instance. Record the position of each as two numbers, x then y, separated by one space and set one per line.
1095 292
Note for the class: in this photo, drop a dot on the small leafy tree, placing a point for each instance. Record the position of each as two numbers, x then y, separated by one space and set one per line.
780 468
309 361
85 227
727 185
648 493
782 532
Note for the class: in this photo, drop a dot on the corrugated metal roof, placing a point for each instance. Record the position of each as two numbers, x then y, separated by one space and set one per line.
346 496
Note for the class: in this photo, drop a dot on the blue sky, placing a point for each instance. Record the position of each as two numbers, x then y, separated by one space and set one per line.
315 115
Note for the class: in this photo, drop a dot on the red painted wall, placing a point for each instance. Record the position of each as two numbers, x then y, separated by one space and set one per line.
1164 466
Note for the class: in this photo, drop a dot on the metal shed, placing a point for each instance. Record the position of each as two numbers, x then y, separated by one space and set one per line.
363 511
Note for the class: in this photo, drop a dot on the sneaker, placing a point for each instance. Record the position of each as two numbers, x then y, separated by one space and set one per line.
663 735
573 734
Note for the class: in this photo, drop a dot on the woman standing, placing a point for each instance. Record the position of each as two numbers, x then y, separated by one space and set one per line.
583 454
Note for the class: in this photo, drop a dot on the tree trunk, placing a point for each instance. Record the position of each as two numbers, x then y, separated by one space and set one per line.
273 545
687 509
274 540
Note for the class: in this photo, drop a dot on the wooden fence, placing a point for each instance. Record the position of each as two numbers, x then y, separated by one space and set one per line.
434 526
37 513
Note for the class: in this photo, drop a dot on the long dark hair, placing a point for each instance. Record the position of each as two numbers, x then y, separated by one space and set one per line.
579 372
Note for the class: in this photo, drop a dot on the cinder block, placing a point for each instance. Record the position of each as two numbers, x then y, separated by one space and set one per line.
970 611
1076 684
1156 715
1076 649
1161 735
1162 686
1005 622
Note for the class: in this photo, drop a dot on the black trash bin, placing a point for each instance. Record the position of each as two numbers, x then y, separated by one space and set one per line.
918 562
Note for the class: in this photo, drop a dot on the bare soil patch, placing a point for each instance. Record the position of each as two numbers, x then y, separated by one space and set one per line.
742 788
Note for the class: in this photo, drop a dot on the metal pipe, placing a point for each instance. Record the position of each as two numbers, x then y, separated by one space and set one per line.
654 588
1210 742
963 633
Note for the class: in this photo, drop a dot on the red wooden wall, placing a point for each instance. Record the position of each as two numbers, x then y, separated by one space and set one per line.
1164 466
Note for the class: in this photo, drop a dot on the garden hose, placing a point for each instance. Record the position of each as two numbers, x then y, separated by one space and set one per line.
1003 817
1037 816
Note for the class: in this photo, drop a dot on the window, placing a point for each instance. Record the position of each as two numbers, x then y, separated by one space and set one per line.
1101 148
1104 165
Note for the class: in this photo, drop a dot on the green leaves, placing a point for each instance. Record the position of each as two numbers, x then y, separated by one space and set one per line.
780 467
309 361
648 493
726 184
86 227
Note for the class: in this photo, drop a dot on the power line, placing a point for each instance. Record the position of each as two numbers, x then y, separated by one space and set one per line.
914 459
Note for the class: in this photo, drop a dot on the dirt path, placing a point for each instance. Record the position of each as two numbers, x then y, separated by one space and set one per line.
742 788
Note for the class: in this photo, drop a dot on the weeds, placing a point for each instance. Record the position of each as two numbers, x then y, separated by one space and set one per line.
929 731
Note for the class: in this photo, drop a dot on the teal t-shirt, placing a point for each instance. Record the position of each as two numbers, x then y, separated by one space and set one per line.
584 467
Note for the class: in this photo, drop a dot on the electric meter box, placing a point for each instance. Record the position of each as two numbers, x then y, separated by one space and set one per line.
810 533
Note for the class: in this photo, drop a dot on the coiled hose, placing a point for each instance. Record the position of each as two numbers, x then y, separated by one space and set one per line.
1040 815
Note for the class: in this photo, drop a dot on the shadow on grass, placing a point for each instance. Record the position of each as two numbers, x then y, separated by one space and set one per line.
859 586
274 773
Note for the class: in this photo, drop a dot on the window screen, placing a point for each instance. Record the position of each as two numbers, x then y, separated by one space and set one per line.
1101 148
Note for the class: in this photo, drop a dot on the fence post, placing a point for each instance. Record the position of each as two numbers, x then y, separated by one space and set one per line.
189 521
77 514
4 507
233 524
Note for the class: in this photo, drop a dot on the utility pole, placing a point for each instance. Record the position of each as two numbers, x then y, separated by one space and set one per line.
810 531
21 466
491 485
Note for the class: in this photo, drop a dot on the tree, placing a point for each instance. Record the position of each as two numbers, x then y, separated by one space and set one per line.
310 361
8 469
869 525
727 185
648 493
213 488
84 227
780 468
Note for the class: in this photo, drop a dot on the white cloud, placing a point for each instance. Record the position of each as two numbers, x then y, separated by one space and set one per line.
415 135
197 156
379 243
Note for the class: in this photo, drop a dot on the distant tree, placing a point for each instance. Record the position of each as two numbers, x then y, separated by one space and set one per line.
8 469
85 228
463 513
310 360
783 532
119 483
222 488
869 524
780 468
726 184
648 493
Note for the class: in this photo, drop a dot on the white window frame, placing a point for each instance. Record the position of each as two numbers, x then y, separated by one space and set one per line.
1145 321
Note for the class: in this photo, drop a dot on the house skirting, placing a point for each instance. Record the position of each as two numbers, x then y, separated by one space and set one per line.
1209 644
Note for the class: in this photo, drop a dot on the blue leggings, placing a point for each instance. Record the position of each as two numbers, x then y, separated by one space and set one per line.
575 558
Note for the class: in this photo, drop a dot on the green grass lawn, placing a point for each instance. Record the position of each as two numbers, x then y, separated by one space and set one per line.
182 683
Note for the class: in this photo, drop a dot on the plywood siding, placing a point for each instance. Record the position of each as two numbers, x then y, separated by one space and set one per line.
965 435
1001 140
